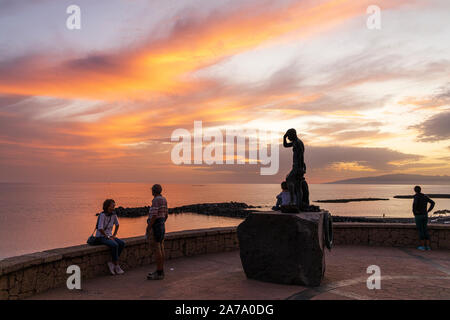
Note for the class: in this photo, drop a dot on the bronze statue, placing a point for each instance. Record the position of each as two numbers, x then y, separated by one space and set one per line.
298 188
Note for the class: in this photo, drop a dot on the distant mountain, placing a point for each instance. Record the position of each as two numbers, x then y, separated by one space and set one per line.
415 179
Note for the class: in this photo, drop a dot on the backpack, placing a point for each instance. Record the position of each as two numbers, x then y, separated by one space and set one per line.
92 240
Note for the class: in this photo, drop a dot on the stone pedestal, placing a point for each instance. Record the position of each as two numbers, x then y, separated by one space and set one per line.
283 248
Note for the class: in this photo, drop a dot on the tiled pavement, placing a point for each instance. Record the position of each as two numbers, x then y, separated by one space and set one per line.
406 273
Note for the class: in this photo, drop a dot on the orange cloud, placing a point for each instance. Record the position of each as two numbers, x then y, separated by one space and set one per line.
432 103
350 166
162 70
163 66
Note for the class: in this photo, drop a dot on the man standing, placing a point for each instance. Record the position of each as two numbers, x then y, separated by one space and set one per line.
421 216
156 229
298 188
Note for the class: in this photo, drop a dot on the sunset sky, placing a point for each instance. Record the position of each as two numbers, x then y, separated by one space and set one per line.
99 104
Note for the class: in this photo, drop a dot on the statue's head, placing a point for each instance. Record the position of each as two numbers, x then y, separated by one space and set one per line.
291 134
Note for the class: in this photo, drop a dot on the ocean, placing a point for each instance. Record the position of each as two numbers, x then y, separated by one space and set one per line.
36 217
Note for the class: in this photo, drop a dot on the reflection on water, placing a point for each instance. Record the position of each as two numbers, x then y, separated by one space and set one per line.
37 217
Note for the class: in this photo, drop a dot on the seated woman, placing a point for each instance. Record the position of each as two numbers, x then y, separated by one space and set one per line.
104 234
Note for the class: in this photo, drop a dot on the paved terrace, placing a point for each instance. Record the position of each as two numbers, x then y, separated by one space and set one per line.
407 273
205 264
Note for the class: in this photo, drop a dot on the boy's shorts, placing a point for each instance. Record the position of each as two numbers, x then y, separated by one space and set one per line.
159 230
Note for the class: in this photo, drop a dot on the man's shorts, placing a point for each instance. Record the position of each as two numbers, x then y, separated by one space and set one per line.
159 230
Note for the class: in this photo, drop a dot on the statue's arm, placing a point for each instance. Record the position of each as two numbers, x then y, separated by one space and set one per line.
432 204
285 143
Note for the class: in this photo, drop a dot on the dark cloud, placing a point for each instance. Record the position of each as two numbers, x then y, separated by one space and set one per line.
436 128
95 62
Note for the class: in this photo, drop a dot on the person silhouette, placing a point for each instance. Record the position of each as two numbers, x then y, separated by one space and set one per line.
420 212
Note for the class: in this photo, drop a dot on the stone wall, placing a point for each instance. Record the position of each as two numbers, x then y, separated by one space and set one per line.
389 234
26 275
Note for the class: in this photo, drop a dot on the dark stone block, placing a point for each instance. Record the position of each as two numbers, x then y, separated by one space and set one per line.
283 248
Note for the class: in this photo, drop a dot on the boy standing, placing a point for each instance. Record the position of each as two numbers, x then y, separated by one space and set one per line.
156 229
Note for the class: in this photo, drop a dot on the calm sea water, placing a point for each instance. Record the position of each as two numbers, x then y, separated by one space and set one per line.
36 217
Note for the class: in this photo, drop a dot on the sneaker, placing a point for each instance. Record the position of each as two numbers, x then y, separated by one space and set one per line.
421 248
112 268
119 270
428 248
155 276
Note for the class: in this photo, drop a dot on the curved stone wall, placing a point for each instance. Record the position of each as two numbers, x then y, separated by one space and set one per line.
26 275
29 274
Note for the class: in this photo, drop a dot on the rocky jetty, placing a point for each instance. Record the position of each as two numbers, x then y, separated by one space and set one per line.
431 195
241 210
132 212
351 200
445 211
226 209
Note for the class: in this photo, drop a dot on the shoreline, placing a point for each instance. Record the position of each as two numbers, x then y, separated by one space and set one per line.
350 200
431 219
242 210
